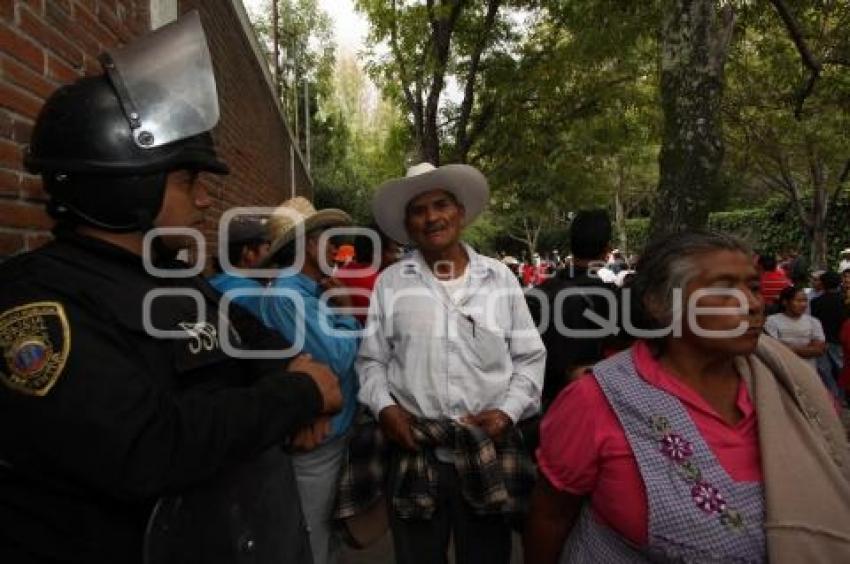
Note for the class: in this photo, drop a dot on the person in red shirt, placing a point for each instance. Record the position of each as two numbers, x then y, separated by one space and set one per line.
773 281
360 274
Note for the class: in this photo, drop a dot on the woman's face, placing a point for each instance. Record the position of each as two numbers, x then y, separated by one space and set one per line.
722 303
797 305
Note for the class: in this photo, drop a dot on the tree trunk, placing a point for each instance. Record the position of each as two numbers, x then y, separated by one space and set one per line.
693 56
820 207
620 213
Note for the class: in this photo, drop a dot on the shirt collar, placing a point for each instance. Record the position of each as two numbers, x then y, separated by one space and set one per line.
650 369
416 263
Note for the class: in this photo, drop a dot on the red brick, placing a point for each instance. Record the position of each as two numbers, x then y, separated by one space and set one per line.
110 19
59 17
21 48
60 71
32 189
23 216
7 9
22 76
19 101
11 243
51 38
56 6
9 182
92 66
21 130
10 154
86 20
6 125
36 6
90 5
36 240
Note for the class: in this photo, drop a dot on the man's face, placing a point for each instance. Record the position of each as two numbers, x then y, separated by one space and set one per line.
183 205
434 221
254 254
314 250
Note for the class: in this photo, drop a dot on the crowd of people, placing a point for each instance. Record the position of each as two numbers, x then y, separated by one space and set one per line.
149 414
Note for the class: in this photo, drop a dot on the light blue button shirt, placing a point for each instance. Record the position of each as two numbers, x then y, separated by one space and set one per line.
438 359
224 283
337 348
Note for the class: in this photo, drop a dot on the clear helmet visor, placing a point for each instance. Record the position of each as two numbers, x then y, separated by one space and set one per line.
165 82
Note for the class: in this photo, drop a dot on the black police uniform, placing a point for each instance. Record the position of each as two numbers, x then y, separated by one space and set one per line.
98 419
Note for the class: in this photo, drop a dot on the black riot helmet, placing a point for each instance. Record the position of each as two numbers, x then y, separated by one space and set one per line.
105 144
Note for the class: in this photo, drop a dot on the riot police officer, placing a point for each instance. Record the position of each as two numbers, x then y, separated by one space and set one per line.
126 433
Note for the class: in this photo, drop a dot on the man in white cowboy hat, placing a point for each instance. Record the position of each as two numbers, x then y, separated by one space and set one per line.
294 306
450 362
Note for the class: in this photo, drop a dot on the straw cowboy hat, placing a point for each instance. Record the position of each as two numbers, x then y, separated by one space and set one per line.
466 183
297 217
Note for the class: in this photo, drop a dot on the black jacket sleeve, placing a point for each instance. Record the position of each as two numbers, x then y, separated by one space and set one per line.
110 424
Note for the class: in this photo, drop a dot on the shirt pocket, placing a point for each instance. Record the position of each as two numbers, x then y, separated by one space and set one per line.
488 344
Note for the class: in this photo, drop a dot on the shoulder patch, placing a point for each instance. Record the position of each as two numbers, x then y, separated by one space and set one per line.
35 339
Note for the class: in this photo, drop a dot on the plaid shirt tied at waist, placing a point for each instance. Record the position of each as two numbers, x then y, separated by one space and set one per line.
496 476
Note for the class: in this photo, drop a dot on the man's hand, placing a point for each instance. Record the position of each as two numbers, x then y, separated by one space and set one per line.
309 437
494 422
339 299
327 382
395 422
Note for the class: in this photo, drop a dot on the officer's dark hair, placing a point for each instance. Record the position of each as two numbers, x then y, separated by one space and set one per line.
786 295
590 234
831 280
666 264
767 262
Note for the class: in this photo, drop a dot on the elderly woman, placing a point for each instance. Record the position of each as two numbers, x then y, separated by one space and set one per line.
706 441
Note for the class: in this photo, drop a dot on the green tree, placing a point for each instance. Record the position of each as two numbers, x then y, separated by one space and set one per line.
788 113
695 41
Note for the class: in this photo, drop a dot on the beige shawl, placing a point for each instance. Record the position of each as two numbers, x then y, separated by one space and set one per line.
805 458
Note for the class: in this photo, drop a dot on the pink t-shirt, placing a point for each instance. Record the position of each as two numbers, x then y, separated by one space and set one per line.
584 450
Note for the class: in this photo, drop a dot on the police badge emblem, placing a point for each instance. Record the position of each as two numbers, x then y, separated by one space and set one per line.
35 340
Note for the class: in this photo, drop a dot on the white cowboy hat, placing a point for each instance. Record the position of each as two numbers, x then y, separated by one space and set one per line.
297 216
845 252
466 183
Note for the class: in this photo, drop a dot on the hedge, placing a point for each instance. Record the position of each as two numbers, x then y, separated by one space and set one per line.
772 228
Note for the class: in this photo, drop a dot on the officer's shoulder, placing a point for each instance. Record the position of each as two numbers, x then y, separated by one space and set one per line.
34 325
33 269
47 275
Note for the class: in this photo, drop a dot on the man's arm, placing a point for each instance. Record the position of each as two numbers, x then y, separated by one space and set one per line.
328 337
373 358
108 424
551 517
372 361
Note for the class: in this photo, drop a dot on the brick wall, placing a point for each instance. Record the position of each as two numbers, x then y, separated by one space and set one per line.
47 43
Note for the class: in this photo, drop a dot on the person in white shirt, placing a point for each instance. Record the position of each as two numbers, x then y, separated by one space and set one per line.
449 339
793 326
844 260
